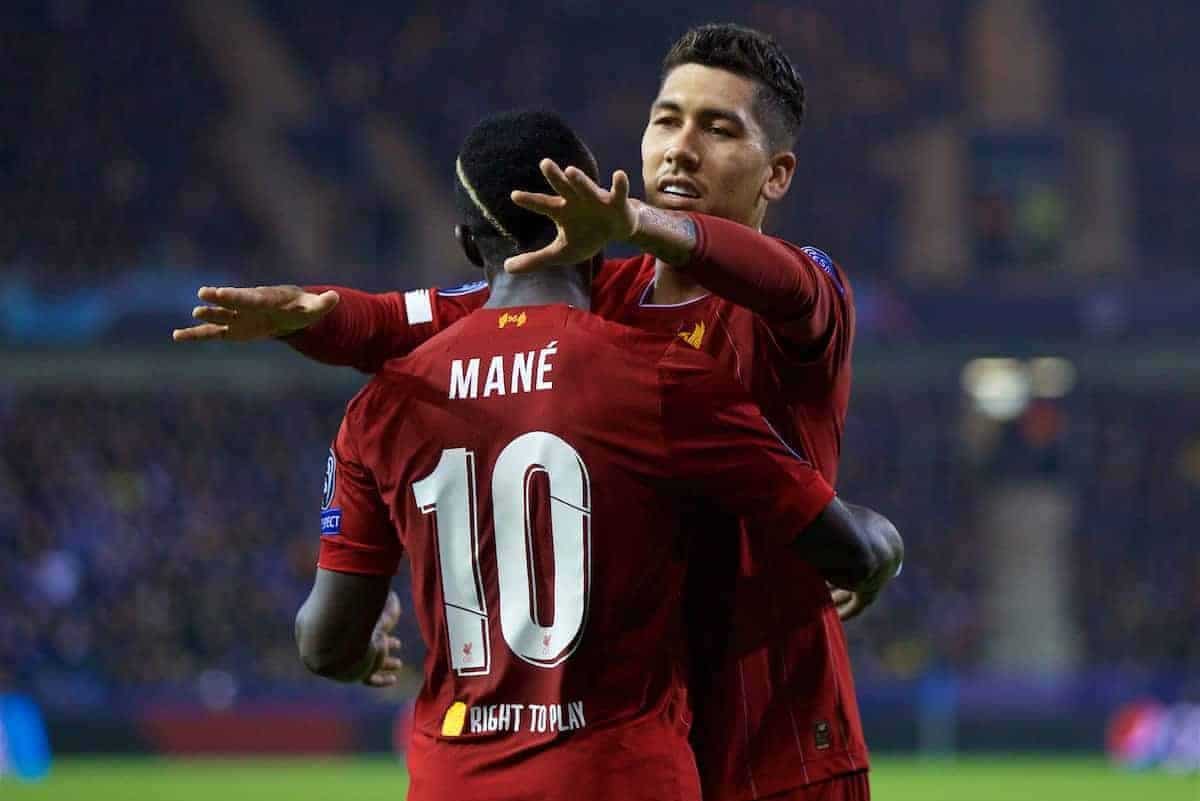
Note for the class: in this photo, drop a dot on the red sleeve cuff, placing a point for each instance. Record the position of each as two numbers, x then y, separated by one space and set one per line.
347 557
700 252
801 509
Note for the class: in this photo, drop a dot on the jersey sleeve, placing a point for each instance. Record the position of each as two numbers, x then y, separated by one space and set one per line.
721 448
357 535
365 330
799 291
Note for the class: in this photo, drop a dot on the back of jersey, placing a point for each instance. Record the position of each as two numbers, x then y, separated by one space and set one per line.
518 460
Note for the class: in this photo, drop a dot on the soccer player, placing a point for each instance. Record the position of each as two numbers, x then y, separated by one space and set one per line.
545 541
778 715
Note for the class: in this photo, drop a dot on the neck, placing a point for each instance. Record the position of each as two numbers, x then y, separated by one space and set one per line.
671 286
559 285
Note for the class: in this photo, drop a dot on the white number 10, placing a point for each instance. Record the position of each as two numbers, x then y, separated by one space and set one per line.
450 494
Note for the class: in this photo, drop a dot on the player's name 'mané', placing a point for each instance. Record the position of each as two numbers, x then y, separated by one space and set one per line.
527 371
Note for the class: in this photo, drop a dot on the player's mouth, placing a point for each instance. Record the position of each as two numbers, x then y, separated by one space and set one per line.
678 187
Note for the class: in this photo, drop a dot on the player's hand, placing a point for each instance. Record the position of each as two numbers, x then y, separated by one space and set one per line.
244 314
850 604
386 671
586 216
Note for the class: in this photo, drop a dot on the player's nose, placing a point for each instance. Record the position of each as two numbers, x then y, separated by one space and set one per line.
682 153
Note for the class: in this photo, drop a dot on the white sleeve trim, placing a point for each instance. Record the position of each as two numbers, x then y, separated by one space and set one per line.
418 306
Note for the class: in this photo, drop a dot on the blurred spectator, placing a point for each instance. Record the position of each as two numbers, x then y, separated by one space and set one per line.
123 122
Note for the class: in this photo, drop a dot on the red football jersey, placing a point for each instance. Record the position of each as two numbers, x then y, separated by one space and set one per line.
780 712
536 464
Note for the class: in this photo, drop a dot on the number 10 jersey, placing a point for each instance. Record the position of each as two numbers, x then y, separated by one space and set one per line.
537 466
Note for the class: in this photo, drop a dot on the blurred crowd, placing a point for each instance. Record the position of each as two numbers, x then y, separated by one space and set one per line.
1129 464
109 113
158 541
152 540
165 540
119 118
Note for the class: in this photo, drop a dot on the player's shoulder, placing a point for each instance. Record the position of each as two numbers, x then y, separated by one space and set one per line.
402 378
383 394
821 260
422 354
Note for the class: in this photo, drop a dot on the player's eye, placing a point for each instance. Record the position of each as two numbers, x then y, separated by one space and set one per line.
717 130
666 122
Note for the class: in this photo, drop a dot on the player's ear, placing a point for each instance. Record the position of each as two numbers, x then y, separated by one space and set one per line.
466 241
782 168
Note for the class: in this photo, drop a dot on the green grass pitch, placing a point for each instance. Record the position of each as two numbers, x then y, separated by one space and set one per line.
893 779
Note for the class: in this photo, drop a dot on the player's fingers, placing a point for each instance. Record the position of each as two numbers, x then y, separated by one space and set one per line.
391 606
840 596
535 260
390 617
200 333
207 293
620 188
215 314
381 679
855 607
325 303
391 664
547 205
251 298
234 297
557 180
584 186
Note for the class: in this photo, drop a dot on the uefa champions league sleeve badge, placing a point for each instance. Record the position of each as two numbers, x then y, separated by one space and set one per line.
331 519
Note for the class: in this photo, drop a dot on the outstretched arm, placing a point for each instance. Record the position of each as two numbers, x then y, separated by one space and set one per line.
246 314
364 331
798 290
333 325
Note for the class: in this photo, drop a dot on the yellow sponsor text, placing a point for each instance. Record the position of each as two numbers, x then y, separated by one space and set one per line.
512 319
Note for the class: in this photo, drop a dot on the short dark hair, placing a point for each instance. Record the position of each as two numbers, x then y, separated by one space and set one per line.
502 154
754 55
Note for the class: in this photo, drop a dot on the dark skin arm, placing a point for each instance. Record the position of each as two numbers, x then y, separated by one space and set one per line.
343 629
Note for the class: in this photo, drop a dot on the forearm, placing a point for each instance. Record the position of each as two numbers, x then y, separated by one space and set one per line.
338 663
334 626
359 332
669 236
743 266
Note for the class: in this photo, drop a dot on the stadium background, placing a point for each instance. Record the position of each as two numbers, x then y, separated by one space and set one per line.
1011 185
